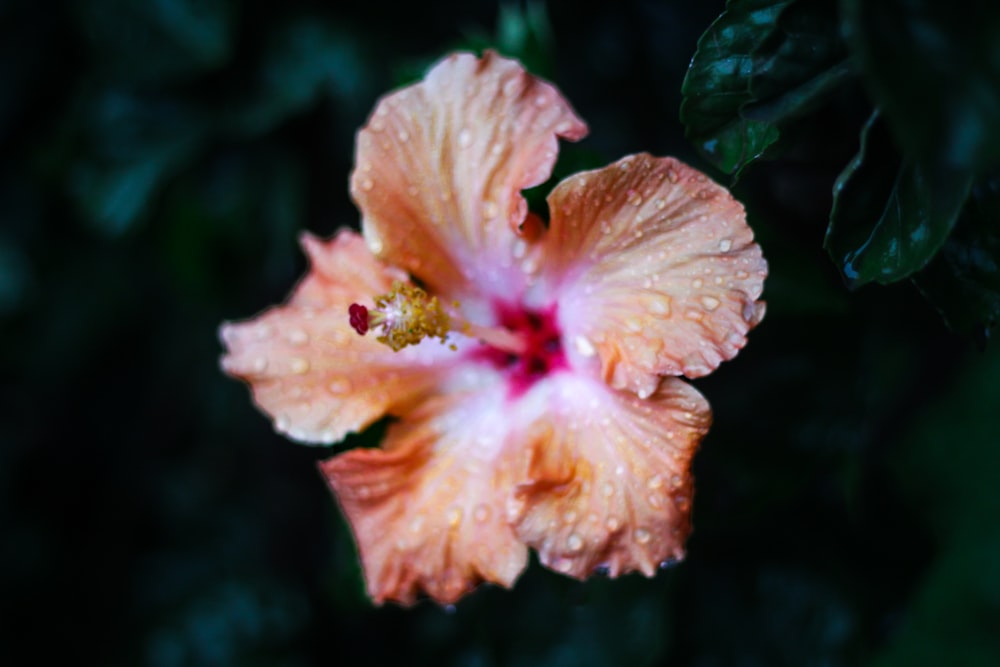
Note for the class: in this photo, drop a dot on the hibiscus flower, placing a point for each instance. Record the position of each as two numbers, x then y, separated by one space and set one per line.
530 369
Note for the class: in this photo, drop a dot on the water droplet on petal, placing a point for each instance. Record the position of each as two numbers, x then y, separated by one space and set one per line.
259 365
482 513
642 536
490 210
655 482
574 543
613 524
584 346
608 489
710 302
299 365
563 565
697 283
725 245
454 516
367 184
660 306
298 337
465 138
340 386
403 135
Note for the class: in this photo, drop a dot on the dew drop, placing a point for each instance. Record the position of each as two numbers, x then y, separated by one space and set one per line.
660 306
633 324
299 365
340 386
697 283
282 423
682 502
454 516
403 136
642 536
584 346
655 482
613 524
676 481
725 245
574 543
563 565
367 184
668 563
298 337
608 489
661 204
710 302
259 365
490 210
465 138
482 513
520 248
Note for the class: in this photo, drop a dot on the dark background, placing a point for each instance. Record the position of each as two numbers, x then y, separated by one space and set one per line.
159 159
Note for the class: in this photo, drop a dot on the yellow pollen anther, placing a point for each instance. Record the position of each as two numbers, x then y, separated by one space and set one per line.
407 315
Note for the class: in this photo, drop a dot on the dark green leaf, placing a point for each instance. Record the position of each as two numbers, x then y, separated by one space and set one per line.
177 38
131 146
963 281
933 67
890 214
761 65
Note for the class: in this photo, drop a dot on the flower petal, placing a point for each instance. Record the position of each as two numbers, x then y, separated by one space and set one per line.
656 269
609 481
427 510
440 166
308 369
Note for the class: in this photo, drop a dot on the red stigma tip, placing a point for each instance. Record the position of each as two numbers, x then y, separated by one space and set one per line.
359 318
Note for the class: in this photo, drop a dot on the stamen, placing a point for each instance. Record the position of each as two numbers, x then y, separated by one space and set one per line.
407 315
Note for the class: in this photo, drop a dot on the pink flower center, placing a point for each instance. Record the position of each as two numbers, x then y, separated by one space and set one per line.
543 351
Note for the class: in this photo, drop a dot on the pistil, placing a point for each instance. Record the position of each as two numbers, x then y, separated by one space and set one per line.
407 315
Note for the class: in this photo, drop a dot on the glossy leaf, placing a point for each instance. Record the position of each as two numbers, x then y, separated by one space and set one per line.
178 38
890 214
932 66
761 65
963 281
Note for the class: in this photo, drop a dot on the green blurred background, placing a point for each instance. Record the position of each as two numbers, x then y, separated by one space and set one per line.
159 159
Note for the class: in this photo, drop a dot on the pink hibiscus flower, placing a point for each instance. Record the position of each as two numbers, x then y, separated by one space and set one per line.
552 418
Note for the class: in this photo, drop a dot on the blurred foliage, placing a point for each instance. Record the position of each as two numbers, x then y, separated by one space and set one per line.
162 156
930 72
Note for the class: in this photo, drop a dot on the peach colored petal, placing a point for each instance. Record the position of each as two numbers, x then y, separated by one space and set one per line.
609 481
440 166
308 369
656 270
427 510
